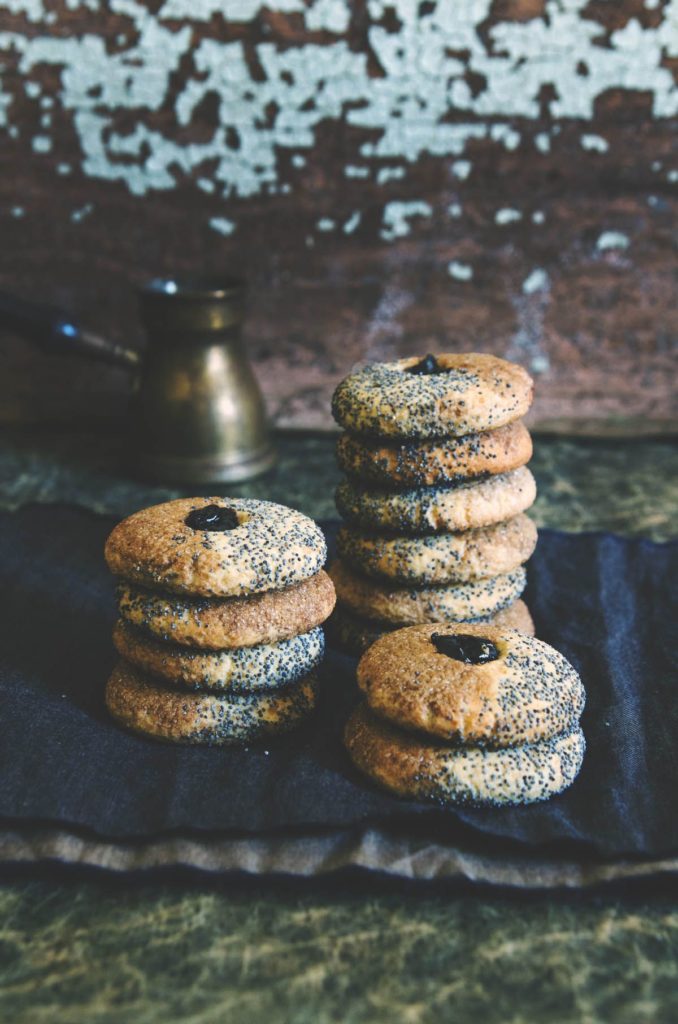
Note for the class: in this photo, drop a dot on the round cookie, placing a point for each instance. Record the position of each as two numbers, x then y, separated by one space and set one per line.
138 703
431 509
230 622
409 766
441 557
430 463
216 547
478 685
398 606
238 670
450 394
355 635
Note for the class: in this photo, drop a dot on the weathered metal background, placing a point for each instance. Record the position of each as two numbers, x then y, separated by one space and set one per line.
391 176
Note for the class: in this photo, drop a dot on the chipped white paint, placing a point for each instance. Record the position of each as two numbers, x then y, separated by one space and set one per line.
81 213
64 168
454 210
326 224
396 223
223 225
389 174
538 217
537 281
507 215
18 211
41 144
594 143
460 271
405 108
672 176
612 240
298 160
352 223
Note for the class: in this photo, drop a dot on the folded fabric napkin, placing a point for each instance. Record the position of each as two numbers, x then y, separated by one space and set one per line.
609 604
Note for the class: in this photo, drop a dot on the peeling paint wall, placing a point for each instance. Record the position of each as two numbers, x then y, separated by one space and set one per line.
406 129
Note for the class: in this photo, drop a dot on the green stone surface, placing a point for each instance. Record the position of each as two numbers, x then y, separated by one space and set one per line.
112 951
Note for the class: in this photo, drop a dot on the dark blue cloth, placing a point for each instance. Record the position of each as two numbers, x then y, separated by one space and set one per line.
609 604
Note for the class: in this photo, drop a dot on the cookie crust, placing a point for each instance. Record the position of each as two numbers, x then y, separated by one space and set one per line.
271 547
355 634
529 693
449 460
408 605
473 392
407 765
238 670
144 706
230 622
437 509
442 558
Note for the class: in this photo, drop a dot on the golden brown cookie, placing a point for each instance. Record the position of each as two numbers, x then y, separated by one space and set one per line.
430 463
449 394
140 704
478 685
398 606
410 766
440 558
238 669
216 547
230 622
437 509
354 634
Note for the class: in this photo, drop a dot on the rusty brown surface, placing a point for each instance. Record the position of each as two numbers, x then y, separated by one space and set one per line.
599 335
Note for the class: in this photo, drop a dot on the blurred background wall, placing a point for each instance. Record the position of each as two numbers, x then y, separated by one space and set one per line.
392 177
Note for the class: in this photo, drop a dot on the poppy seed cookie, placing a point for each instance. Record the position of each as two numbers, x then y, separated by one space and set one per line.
238 670
447 460
355 635
477 685
430 509
410 766
450 394
441 558
230 622
142 705
408 605
216 547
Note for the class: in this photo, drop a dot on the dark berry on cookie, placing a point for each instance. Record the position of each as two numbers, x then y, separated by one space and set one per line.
426 366
213 517
472 650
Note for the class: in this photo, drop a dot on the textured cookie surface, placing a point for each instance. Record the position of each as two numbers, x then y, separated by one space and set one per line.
428 463
398 605
141 704
409 766
430 509
238 670
442 557
433 396
249 546
527 691
230 622
355 634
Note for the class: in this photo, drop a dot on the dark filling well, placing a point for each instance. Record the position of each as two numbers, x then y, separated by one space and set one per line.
213 517
426 366
472 650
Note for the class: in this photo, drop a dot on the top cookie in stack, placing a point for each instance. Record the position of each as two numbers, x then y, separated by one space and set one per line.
437 486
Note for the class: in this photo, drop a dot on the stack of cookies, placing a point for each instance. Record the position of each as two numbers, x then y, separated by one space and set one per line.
467 714
221 603
434 498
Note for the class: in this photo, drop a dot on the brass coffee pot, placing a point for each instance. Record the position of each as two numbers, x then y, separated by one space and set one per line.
198 415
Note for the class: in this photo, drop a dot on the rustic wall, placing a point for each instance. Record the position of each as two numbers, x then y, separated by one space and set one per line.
392 176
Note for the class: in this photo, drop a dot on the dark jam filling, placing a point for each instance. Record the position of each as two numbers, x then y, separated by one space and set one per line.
426 366
473 650
213 517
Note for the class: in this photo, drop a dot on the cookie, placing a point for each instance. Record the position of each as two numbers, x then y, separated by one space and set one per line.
216 547
398 606
478 685
432 463
410 766
354 634
441 557
430 509
238 670
140 704
450 394
230 622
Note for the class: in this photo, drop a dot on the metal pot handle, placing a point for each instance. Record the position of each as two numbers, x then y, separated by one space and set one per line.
55 331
